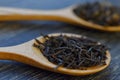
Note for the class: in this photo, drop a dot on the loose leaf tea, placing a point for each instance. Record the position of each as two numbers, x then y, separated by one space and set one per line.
72 52
100 13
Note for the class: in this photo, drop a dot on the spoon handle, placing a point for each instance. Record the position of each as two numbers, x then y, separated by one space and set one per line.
11 14
14 52
21 53
8 52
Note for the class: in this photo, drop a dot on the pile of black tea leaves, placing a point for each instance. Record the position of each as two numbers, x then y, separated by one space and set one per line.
72 52
100 13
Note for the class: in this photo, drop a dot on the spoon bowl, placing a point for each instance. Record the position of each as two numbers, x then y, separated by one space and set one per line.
65 15
27 54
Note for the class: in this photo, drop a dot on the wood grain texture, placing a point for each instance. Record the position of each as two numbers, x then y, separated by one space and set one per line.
13 33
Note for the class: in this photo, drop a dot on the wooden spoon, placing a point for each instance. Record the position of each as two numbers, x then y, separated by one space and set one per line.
64 15
25 53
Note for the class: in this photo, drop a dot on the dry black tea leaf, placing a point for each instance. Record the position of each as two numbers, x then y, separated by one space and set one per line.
99 13
72 52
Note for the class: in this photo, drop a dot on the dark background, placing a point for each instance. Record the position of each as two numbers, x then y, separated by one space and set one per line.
17 32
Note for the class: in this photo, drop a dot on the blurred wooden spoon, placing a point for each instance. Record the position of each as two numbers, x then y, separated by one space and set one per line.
65 15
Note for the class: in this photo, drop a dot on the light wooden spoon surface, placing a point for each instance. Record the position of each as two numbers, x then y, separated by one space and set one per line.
65 15
27 54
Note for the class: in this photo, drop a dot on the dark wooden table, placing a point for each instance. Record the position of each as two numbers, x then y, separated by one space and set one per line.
17 32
